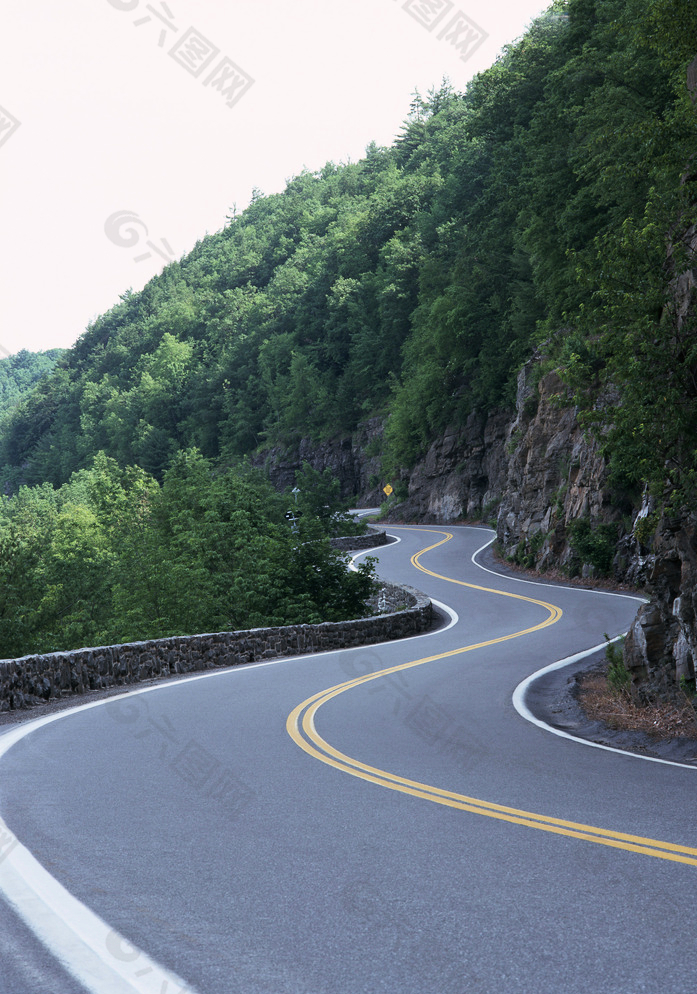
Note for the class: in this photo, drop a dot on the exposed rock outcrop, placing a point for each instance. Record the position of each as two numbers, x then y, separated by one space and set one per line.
352 459
556 474
534 470
661 646
463 474
536 474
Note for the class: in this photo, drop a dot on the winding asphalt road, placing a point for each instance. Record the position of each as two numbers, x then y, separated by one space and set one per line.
316 826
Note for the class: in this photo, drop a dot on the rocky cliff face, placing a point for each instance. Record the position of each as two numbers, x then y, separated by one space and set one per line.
531 470
555 476
347 456
462 475
661 646
548 478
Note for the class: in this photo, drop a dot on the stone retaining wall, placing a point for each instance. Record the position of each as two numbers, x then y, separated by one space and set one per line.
354 543
35 679
389 599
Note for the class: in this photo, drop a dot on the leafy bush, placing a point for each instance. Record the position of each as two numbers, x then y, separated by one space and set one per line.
593 546
645 528
528 549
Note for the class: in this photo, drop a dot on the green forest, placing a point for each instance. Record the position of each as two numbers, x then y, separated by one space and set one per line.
21 372
542 211
115 556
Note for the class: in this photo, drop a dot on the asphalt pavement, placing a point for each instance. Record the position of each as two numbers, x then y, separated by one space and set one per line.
305 827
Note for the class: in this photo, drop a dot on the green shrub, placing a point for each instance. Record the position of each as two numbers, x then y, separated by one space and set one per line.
527 551
514 441
645 528
595 546
618 676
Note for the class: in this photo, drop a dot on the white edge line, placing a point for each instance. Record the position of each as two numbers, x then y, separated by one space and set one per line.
524 711
96 955
375 548
521 690
553 586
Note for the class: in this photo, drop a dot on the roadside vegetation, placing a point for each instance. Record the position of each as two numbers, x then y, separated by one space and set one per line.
116 556
661 719
549 209
606 695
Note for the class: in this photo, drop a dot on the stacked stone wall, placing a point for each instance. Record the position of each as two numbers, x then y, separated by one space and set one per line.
32 680
354 543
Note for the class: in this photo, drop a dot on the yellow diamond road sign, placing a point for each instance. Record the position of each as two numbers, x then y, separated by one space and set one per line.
387 490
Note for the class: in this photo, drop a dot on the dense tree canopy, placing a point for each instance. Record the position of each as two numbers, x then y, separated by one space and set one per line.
114 556
530 211
21 372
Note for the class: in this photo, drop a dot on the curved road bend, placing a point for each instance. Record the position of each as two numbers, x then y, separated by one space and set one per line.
301 827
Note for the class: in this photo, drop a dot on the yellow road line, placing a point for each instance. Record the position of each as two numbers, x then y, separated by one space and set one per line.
555 612
301 728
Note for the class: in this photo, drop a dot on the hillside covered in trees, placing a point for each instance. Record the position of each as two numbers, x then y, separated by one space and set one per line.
20 373
547 211
531 211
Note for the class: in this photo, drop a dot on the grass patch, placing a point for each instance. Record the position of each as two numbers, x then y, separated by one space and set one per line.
618 676
659 719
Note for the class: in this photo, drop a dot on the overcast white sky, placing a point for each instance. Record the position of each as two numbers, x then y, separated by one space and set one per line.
111 106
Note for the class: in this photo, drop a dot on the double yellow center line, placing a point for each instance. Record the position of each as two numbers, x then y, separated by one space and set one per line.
301 728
